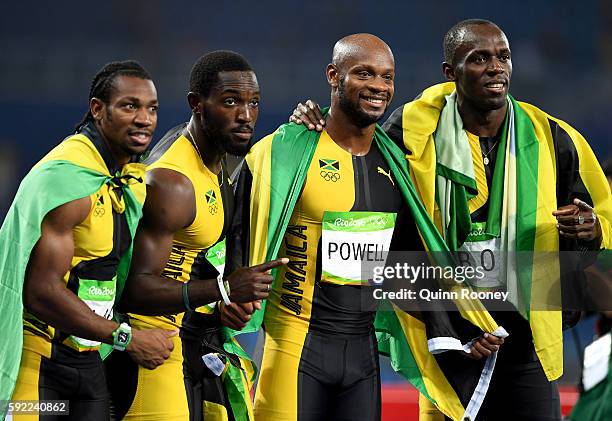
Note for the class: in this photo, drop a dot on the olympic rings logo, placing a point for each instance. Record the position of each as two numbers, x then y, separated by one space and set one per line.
213 209
330 175
99 211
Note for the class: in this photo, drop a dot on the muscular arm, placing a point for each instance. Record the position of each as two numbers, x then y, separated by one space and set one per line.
169 207
45 294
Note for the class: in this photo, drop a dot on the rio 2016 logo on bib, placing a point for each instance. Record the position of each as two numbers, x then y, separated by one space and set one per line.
211 201
330 169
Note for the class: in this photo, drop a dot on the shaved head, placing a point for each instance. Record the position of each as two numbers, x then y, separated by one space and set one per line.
361 77
357 45
463 32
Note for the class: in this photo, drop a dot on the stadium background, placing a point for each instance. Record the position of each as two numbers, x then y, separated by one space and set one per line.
562 56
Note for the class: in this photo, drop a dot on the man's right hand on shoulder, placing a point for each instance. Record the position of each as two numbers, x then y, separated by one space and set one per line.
308 114
151 347
253 283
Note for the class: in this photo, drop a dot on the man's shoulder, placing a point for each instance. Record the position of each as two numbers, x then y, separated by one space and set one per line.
73 148
165 189
539 116
531 109
70 214
173 160
285 133
162 147
172 184
74 164
263 143
74 161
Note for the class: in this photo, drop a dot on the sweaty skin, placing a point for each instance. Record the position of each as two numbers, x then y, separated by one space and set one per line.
222 121
361 79
482 69
368 78
148 292
128 121
126 125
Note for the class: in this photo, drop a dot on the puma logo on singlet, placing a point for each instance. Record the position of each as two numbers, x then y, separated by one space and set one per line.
386 174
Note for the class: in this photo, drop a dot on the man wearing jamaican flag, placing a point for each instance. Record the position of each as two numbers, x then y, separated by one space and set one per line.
503 176
297 187
533 185
65 250
179 258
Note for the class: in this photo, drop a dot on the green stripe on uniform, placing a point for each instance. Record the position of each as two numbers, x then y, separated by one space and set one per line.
527 156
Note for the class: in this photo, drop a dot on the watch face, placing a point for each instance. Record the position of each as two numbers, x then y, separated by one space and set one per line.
122 337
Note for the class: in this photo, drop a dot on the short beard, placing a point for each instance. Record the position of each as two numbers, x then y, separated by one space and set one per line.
223 142
359 118
237 149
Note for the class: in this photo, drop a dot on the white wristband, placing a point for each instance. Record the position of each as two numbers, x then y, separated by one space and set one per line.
222 290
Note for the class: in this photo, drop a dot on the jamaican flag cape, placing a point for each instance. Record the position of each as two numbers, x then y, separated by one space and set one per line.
72 170
278 166
537 153
238 383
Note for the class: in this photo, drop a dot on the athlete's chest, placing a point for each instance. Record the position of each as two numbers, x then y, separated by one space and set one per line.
214 203
96 235
340 182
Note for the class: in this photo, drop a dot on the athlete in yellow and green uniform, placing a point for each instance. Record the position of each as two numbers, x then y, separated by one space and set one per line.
180 242
72 224
562 204
320 357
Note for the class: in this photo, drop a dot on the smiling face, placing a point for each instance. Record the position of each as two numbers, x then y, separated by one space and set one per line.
229 112
362 81
127 121
481 67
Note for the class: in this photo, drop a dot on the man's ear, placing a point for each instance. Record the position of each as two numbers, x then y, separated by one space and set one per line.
97 107
332 75
449 72
194 102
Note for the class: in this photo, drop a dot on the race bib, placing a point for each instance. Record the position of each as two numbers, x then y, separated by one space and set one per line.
99 297
353 243
216 256
482 251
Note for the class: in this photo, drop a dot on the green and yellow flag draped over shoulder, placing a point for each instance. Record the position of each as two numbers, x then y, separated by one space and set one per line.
529 166
72 170
278 165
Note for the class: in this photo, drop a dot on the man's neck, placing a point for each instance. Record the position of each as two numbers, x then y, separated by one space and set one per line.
210 154
119 156
479 122
354 139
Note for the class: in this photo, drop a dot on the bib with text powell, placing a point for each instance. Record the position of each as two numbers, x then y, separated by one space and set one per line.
353 243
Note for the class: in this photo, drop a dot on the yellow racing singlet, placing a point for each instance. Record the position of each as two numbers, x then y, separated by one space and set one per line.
340 182
305 303
198 251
